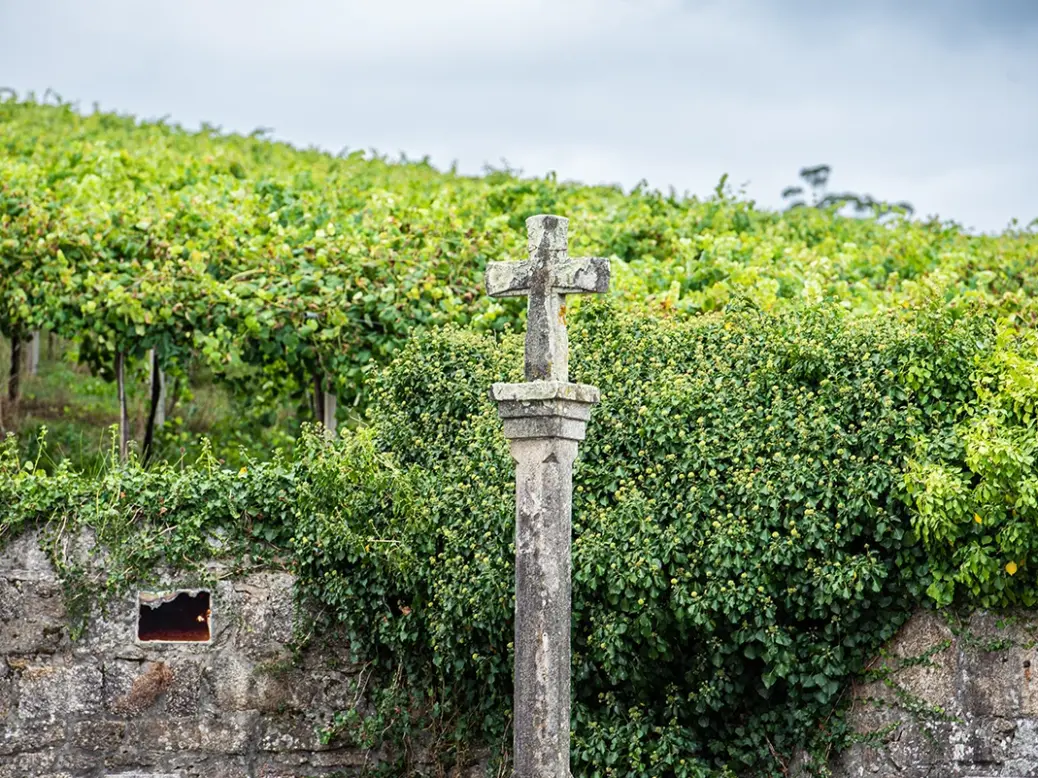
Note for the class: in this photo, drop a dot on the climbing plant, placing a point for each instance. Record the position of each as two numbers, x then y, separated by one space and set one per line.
749 525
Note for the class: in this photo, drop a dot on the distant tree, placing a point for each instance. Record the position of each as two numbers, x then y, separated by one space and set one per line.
817 178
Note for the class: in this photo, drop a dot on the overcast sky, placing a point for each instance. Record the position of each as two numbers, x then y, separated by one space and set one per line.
930 101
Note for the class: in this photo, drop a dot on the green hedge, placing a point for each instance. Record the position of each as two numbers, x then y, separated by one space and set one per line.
743 535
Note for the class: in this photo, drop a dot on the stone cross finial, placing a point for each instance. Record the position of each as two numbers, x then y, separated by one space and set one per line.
546 278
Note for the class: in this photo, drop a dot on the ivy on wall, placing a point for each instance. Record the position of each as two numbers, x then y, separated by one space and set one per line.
756 511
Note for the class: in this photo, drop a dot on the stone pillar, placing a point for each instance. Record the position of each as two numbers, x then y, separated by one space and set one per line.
543 422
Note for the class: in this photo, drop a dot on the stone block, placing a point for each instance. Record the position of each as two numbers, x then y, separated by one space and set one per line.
32 617
282 770
272 770
18 736
918 751
335 691
117 680
24 560
923 632
114 631
285 760
223 769
981 741
1025 742
273 693
183 697
85 684
1017 768
79 764
10 605
33 763
285 734
230 676
49 691
998 627
874 709
132 688
185 766
1028 658
49 763
130 755
100 735
993 682
229 733
923 661
265 614
345 757
239 684
8 692
1000 673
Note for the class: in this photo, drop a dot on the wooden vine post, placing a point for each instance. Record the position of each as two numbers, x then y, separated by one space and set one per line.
25 361
157 406
14 378
325 403
158 389
32 361
124 417
324 400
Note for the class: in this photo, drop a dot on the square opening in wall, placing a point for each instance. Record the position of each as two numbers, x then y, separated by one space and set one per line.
174 616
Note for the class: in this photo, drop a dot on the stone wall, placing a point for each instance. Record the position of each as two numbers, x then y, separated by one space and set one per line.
109 706
952 700
955 699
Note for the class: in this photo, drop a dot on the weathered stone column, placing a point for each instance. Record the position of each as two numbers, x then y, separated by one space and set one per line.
544 420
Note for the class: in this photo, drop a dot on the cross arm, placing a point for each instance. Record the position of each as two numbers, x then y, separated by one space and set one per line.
585 275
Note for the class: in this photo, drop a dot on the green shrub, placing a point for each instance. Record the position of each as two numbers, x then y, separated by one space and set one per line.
975 491
741 542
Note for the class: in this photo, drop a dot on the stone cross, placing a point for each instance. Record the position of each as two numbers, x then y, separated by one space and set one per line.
546 278
544 420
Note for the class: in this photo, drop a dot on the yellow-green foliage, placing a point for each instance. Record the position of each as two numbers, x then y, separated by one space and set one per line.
975 490
131 235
